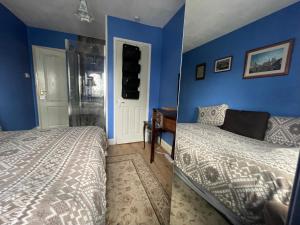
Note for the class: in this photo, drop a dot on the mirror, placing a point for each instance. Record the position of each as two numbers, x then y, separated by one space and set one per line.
238 125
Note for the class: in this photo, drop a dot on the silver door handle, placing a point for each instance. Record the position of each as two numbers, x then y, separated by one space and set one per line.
119 102
43 92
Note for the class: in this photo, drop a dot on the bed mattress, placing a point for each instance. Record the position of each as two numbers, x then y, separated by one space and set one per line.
236 174
54 176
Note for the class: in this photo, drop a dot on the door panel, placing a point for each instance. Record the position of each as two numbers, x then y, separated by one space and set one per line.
52 89
56 83
55 120
130 114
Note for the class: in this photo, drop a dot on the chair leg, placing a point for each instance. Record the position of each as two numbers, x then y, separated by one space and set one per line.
173 147
154 136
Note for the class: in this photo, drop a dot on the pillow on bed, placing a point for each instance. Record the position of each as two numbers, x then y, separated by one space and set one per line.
212 115
246 123
284 131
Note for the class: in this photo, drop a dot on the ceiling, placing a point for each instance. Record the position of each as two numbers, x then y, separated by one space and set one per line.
206 20
59 14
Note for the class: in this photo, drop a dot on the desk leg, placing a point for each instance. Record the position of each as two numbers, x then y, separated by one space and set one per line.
173 147
153 140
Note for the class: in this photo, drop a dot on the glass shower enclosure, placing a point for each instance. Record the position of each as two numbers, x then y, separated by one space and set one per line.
85 63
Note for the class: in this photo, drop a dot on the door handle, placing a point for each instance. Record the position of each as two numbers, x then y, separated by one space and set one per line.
43 92
119 102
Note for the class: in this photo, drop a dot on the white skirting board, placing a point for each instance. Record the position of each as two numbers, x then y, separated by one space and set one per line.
164 144
111 141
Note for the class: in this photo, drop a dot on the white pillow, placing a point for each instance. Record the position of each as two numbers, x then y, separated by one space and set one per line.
284 131
212 115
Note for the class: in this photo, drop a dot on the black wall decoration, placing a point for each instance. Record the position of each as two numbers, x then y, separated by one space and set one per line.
131 69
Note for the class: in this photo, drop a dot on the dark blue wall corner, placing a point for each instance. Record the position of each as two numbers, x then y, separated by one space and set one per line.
16 101
138 32
44 38
172 35
277 95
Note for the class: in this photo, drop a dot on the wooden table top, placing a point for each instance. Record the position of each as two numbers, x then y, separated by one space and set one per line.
170 114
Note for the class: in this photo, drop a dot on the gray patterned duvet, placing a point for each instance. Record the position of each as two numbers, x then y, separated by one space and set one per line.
54 176
238 174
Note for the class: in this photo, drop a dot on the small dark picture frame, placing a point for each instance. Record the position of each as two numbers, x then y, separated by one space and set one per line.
223 64
200 71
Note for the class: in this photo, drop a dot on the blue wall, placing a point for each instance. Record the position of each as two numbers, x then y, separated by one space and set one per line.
44 38
165 60
16 102
171 36
277 95
48 38
138 32
171 61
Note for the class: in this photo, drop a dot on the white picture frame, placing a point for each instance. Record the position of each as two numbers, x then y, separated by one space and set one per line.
223 64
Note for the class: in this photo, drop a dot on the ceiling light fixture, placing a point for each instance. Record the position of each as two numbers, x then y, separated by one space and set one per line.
83 13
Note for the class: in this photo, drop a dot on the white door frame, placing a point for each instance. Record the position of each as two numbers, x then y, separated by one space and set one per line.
34 49
114 75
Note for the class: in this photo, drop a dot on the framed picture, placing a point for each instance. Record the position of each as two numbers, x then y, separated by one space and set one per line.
272 60
200 71
224 64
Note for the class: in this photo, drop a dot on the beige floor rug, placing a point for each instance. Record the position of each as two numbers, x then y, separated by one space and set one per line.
188 208
134 195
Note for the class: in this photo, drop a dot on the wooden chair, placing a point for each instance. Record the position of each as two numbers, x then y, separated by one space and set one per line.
148 126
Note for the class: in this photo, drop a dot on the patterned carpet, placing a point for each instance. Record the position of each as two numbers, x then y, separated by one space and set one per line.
134 195
188 208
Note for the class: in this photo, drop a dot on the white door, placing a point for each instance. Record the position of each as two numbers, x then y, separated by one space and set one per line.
130 114
51 87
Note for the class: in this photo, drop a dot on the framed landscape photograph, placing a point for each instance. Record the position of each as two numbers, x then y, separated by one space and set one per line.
224 64
200 71
272 60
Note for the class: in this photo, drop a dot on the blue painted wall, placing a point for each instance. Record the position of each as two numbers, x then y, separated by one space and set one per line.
165 60
138 32
48 38
116 28
277 95
171 59
16 102
44 38
172 35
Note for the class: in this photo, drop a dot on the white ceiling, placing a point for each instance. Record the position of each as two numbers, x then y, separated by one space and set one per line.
59 14
206 20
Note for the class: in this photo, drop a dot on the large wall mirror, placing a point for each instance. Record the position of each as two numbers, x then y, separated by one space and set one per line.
238 126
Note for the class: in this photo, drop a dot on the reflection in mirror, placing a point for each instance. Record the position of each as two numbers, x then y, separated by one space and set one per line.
237 139
83 101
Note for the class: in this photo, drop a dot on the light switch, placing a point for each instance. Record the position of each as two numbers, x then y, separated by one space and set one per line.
27 75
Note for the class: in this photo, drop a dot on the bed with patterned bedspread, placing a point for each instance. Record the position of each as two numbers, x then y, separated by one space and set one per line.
235 174
54 176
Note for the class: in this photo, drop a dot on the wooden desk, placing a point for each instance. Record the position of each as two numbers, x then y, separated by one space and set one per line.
163 121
